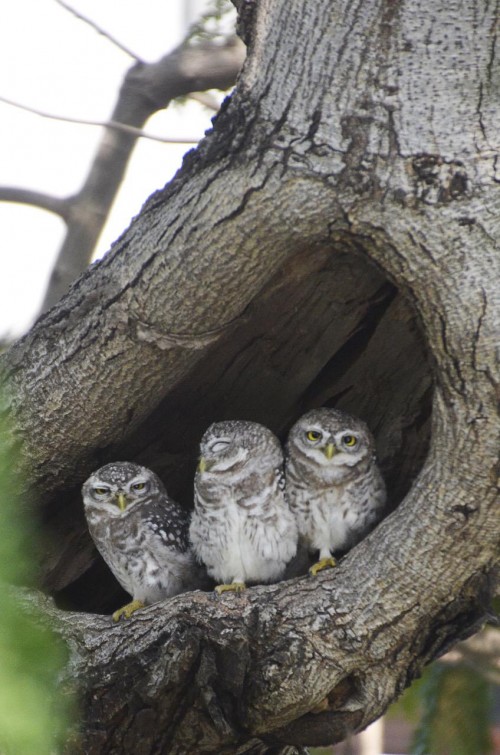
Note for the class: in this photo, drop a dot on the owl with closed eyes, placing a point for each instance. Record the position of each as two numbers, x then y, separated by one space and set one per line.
242 528
141 533
333 483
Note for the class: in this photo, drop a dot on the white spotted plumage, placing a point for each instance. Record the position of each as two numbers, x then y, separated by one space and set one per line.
242 528
145 544
333 483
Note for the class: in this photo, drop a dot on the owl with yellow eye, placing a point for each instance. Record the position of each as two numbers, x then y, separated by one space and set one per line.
333 483
141 533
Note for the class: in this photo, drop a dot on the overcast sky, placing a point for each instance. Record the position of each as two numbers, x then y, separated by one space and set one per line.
53 62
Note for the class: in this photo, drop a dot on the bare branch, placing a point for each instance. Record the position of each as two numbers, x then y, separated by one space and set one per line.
100 31
115 125
57 205
146 89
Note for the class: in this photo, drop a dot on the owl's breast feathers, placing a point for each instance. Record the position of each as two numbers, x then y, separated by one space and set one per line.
147 549
246 526
337 516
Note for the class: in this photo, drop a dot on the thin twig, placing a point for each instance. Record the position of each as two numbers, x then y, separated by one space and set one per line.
103 124
100 31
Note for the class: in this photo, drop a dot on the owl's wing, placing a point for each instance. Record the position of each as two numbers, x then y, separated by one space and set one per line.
169 522
280 478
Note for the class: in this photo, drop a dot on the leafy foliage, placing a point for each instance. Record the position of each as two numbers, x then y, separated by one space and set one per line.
32 711
212 25
455 713
450 706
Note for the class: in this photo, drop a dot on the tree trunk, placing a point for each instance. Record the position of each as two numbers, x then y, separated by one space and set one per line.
332 241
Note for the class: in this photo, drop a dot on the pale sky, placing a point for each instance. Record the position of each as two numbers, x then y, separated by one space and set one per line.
54 62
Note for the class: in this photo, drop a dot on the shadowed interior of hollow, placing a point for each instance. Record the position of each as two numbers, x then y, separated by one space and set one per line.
328 330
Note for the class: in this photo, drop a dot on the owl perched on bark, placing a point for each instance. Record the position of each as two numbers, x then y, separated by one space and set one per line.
333 483
242 527
141 533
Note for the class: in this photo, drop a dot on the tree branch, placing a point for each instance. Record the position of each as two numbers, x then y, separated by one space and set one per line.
226 671
146 89
47 202
112 125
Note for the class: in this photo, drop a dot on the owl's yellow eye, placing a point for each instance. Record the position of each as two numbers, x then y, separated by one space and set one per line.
313 435
101 491
349 441
139 486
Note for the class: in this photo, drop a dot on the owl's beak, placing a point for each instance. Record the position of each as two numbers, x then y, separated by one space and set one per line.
204 465
122 501
329 451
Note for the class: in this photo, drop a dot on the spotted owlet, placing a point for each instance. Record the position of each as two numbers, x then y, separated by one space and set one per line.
141 533
242 527
333 483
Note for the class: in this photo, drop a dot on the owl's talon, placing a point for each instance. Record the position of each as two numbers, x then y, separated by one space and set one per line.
323 563
233 587
128 610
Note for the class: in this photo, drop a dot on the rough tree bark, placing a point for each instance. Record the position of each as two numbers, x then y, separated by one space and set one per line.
333 240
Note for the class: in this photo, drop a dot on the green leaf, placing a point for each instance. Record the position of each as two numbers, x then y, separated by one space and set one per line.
33 712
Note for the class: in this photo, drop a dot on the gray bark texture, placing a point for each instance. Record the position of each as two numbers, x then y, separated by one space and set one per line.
333 241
